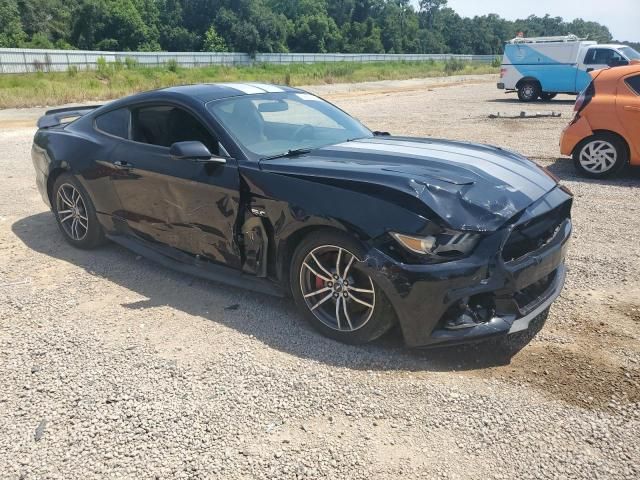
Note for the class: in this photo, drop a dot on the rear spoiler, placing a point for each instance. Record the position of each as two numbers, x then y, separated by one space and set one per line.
58 116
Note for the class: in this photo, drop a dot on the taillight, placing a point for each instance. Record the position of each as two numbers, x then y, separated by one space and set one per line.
503 72
585 98
579 103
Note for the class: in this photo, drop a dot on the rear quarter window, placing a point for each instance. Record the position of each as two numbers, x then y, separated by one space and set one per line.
115 123
634 84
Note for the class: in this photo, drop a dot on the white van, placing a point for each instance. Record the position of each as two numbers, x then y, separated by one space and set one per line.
545 66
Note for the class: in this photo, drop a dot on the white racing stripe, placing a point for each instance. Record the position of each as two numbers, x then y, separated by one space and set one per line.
266 88
510 173
244 88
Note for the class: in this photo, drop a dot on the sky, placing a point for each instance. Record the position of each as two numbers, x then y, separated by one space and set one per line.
621 16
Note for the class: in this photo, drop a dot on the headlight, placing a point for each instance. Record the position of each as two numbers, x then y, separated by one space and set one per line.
446 245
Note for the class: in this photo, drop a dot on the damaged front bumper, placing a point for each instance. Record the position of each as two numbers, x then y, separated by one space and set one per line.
502 296
506 323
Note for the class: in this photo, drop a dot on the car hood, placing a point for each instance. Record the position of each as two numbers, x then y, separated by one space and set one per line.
470 186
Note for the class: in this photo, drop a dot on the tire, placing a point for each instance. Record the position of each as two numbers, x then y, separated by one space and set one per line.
361 317
600 155
75 213
529 91
547 97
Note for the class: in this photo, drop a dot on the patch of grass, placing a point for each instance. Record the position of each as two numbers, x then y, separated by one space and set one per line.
112 80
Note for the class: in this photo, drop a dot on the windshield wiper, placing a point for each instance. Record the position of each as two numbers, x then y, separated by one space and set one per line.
289 153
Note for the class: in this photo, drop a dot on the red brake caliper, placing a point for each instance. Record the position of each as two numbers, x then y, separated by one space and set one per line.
319 283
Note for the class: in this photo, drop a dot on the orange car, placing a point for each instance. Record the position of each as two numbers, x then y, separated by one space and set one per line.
604 135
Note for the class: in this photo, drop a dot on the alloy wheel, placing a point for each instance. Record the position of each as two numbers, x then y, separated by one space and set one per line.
72 212
335 290
598 156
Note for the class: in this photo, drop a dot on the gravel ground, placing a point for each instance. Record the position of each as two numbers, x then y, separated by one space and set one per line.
113 367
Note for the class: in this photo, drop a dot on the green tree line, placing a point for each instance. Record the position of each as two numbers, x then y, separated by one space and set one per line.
348 26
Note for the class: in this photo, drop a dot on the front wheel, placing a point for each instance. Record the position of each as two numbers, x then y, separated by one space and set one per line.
334 291
529 91
600 155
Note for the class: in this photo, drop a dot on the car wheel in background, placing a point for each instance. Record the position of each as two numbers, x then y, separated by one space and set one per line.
546 96
75 213
334 292
529 91
600 155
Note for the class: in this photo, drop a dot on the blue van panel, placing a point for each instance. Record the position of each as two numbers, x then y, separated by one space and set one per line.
583 79
552 78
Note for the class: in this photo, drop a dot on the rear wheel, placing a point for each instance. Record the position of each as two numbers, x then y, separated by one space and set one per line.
75 213
529 91
600 155
335 293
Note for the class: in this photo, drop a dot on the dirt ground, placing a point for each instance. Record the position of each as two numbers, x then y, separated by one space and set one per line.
89 335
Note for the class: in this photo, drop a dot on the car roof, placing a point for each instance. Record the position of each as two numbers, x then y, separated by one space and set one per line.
617 72
196 94
206 92
608 45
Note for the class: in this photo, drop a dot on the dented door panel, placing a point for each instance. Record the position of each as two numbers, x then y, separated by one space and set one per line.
186 205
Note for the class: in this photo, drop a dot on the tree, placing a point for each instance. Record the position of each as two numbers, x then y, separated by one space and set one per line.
113 25
428 10
11 32
315 33
49 20
353 26
213 42
173 35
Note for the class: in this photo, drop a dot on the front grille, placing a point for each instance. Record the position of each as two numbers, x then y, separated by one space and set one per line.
531 294
535 233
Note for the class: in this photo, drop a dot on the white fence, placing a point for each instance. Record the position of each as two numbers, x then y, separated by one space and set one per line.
19 60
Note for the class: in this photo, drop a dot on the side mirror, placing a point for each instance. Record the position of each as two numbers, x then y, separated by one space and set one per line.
194 151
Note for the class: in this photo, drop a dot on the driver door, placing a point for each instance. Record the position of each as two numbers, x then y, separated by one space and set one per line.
599 58
189 206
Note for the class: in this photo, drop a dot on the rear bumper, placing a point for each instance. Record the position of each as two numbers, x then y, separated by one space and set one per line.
518 291
573 134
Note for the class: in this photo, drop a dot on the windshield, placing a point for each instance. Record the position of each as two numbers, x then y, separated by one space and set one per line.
275 123
630 53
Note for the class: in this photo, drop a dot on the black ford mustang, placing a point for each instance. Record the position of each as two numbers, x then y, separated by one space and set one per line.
273 189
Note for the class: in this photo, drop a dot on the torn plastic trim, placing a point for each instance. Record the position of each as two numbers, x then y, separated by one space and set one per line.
506 324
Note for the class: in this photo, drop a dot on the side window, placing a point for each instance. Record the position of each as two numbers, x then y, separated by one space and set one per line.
590 57
634 84
165 125
602 56
115 122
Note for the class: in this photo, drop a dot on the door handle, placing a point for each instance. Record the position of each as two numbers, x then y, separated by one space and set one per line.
123 165
630 108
